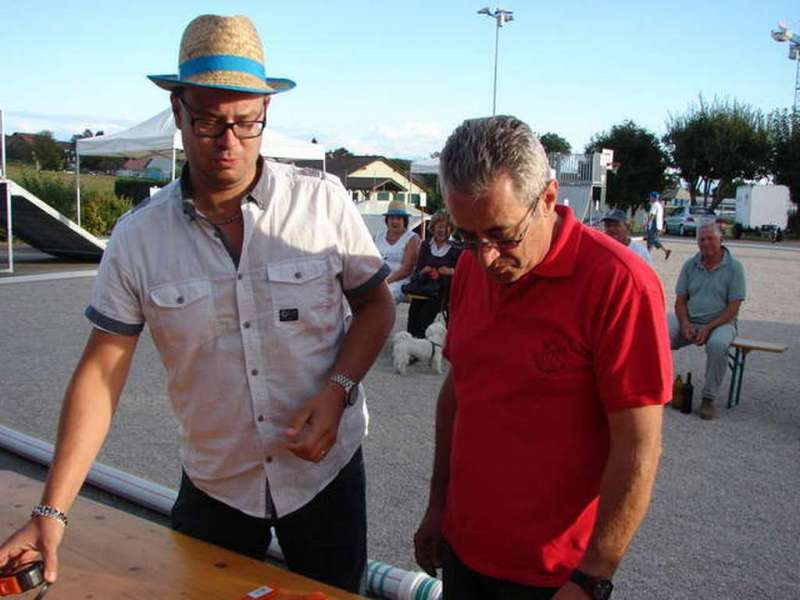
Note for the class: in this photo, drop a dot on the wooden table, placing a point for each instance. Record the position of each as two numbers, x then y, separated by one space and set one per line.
108 554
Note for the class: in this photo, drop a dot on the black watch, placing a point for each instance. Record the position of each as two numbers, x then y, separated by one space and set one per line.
598 588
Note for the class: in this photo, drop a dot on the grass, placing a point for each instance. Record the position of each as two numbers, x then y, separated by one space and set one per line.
89 183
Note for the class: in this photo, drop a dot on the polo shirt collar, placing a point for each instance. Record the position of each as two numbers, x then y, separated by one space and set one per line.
726 258
258 194
563 253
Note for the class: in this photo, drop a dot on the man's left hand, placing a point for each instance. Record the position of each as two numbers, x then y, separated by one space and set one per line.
570 591
313 429
702 335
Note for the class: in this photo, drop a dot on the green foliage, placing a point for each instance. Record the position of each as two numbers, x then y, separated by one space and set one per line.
784 132
555 144
100 211
338 153
100 208
52 189
47 154
717 143
642 163
136 188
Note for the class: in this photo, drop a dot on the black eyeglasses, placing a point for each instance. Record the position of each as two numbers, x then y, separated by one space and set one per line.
212 128
468 241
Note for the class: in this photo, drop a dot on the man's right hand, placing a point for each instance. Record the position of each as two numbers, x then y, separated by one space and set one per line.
428 542
688 331
39 536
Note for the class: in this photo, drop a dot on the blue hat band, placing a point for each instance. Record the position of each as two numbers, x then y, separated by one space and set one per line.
221 62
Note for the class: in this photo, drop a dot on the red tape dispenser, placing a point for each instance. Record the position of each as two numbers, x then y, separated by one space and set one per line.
24 578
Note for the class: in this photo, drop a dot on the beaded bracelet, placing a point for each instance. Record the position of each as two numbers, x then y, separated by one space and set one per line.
50 512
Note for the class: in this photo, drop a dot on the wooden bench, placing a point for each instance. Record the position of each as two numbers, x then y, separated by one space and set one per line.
741 347
108 554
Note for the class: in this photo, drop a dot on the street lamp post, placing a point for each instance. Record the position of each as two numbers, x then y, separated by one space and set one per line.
501 17
784 34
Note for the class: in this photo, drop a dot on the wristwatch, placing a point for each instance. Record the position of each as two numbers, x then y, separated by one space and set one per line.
598 588
348 385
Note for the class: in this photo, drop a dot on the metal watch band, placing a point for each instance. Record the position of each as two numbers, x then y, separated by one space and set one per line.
348 385
50 512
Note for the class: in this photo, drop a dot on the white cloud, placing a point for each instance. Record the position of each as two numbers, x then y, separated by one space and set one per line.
62 126
411 139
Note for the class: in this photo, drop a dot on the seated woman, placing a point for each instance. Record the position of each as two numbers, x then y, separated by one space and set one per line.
399 247
437 258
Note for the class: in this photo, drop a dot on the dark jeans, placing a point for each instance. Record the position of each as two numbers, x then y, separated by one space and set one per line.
325 540
422 313
459 582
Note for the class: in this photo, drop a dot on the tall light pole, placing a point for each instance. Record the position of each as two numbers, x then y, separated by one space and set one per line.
501 17
784 34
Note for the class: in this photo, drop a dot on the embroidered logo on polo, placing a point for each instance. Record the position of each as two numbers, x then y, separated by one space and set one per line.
551 357
288 314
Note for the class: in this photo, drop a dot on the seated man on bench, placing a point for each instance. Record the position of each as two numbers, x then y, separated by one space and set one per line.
709 291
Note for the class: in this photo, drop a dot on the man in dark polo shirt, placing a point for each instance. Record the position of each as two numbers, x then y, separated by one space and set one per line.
548 429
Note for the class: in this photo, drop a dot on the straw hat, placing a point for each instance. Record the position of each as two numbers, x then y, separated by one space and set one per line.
224 53
396 208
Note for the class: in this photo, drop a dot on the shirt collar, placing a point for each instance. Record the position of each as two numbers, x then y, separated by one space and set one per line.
563 253
258 194
726 258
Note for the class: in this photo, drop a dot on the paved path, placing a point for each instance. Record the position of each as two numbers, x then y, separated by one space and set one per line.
724 522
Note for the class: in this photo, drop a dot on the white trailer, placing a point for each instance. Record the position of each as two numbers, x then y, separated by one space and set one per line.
758 205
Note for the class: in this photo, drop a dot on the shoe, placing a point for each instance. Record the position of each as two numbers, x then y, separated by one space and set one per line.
707 409
666 254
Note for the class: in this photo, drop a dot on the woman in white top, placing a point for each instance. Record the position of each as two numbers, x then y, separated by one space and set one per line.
398 246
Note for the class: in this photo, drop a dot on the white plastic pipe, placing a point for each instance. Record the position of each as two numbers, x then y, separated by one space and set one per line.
382 580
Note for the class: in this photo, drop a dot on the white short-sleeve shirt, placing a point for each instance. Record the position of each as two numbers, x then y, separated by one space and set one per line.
245 346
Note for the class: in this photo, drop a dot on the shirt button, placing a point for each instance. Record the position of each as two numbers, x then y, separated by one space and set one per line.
179 299
298 275
239 276
269 459
246 324
254 372
260 418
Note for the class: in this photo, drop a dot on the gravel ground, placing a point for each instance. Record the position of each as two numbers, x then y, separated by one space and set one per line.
724 522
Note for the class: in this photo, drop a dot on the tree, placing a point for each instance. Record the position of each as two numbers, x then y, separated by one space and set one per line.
713 144
47 153
784 132
338 153
642 162
555 144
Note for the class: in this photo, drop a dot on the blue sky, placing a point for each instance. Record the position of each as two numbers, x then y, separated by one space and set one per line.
395 78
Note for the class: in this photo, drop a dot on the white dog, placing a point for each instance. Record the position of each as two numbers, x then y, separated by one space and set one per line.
405 346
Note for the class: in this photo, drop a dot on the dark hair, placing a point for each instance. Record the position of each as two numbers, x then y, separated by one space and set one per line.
404 217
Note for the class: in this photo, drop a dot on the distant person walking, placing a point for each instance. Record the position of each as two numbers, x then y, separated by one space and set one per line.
655 224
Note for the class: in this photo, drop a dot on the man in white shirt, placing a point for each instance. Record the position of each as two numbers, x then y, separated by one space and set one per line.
617 226
655 224
243 270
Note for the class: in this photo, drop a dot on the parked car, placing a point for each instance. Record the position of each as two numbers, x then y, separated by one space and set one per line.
683 219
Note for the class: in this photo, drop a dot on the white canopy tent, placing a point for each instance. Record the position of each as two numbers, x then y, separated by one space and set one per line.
158 136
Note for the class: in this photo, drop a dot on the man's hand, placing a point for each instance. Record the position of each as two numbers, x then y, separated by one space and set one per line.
37 536
428 542
701 337
570 591
313 429
688 331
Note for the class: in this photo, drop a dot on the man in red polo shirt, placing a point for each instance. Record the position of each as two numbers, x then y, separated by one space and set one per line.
548 429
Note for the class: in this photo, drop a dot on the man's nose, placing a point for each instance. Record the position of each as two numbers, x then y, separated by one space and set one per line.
227 139
487 255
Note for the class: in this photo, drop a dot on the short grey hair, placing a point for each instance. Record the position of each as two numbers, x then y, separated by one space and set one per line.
480 149
710 224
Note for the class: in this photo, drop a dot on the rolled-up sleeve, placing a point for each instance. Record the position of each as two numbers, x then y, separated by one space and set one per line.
363 266
115 305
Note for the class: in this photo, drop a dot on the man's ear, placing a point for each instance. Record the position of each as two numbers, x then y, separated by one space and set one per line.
549 198
267 100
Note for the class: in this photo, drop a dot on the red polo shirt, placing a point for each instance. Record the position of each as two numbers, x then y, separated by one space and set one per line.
537 365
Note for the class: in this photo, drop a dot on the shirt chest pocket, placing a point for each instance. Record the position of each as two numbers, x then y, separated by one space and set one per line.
302 292
183 313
